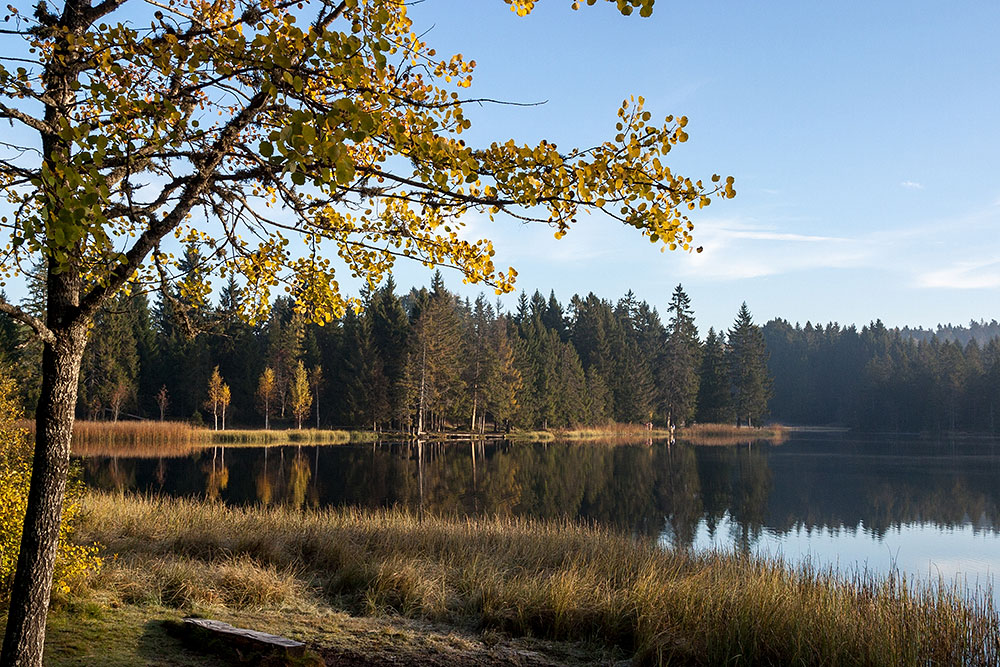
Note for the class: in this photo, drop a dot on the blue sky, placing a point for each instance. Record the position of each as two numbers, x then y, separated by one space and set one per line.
863 138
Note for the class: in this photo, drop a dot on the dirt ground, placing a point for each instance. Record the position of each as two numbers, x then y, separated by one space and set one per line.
103 637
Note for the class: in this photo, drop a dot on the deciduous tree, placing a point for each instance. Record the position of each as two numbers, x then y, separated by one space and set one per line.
162 401
225 397
143 117
217 391
265 395
299 395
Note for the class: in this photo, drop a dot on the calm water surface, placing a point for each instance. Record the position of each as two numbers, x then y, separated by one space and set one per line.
930 508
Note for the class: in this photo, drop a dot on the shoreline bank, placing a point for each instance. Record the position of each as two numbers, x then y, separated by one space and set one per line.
517 579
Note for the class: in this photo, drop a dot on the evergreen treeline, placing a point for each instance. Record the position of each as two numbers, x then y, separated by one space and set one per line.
427 360
982 332
883 379
422 361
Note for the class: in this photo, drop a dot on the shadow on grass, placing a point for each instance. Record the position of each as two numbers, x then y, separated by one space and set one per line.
93 635
159 644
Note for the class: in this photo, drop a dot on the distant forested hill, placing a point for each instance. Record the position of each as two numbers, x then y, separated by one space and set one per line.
885 379
982 332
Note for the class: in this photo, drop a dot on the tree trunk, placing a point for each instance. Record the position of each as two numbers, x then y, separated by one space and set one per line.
29 599
475 397
423 388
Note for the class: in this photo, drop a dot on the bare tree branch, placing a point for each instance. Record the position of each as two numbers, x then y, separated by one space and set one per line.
20 116
43 332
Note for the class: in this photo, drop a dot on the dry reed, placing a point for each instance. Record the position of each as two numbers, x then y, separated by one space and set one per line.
148 439
135 438
608 432
728 434
562 581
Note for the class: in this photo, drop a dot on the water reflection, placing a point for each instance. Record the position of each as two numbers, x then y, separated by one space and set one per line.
778 498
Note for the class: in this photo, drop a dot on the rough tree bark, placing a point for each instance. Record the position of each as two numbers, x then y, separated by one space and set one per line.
61 358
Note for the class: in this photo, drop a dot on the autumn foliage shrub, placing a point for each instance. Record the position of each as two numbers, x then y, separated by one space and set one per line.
73 561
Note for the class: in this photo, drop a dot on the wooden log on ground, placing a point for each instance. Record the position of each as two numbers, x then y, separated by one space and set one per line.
246 646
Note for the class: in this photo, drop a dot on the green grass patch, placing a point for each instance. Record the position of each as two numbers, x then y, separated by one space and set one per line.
123 637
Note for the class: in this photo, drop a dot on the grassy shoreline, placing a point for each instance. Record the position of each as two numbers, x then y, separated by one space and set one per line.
728 434
156 439
153 439
696 434
554 581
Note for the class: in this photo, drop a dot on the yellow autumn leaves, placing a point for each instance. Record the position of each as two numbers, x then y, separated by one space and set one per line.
283 136
525 7
73 561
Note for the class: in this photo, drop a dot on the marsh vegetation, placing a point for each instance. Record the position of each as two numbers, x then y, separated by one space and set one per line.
554 580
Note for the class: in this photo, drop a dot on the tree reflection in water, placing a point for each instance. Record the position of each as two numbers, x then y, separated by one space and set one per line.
647 489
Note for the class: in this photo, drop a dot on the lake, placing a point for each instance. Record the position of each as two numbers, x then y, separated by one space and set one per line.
928 507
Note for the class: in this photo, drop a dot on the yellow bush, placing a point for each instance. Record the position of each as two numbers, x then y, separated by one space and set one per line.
73 561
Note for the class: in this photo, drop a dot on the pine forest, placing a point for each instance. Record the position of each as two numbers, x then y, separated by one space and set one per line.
427 361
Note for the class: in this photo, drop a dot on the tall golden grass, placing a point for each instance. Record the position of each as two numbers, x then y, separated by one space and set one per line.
145 439
728 434
304 436
135 438
697 434
608 432
561 581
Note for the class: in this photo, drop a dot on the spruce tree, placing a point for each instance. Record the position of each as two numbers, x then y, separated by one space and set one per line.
751 383
285 335
681 361
478 358
390 330
110 367
234 346
553 318
502 388
634 385
366 388
714 395
434 356
141 321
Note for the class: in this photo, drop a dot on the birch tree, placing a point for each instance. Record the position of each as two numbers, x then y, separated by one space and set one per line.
216 394
246 126
299 395
266 389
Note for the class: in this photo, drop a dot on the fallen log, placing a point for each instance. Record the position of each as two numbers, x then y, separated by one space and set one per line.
246 646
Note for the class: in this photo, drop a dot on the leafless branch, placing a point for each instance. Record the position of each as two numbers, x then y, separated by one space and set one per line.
43 332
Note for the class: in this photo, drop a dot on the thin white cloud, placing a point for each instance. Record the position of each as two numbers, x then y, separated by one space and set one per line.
912 185
963 275
736 249
920 256
781 236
